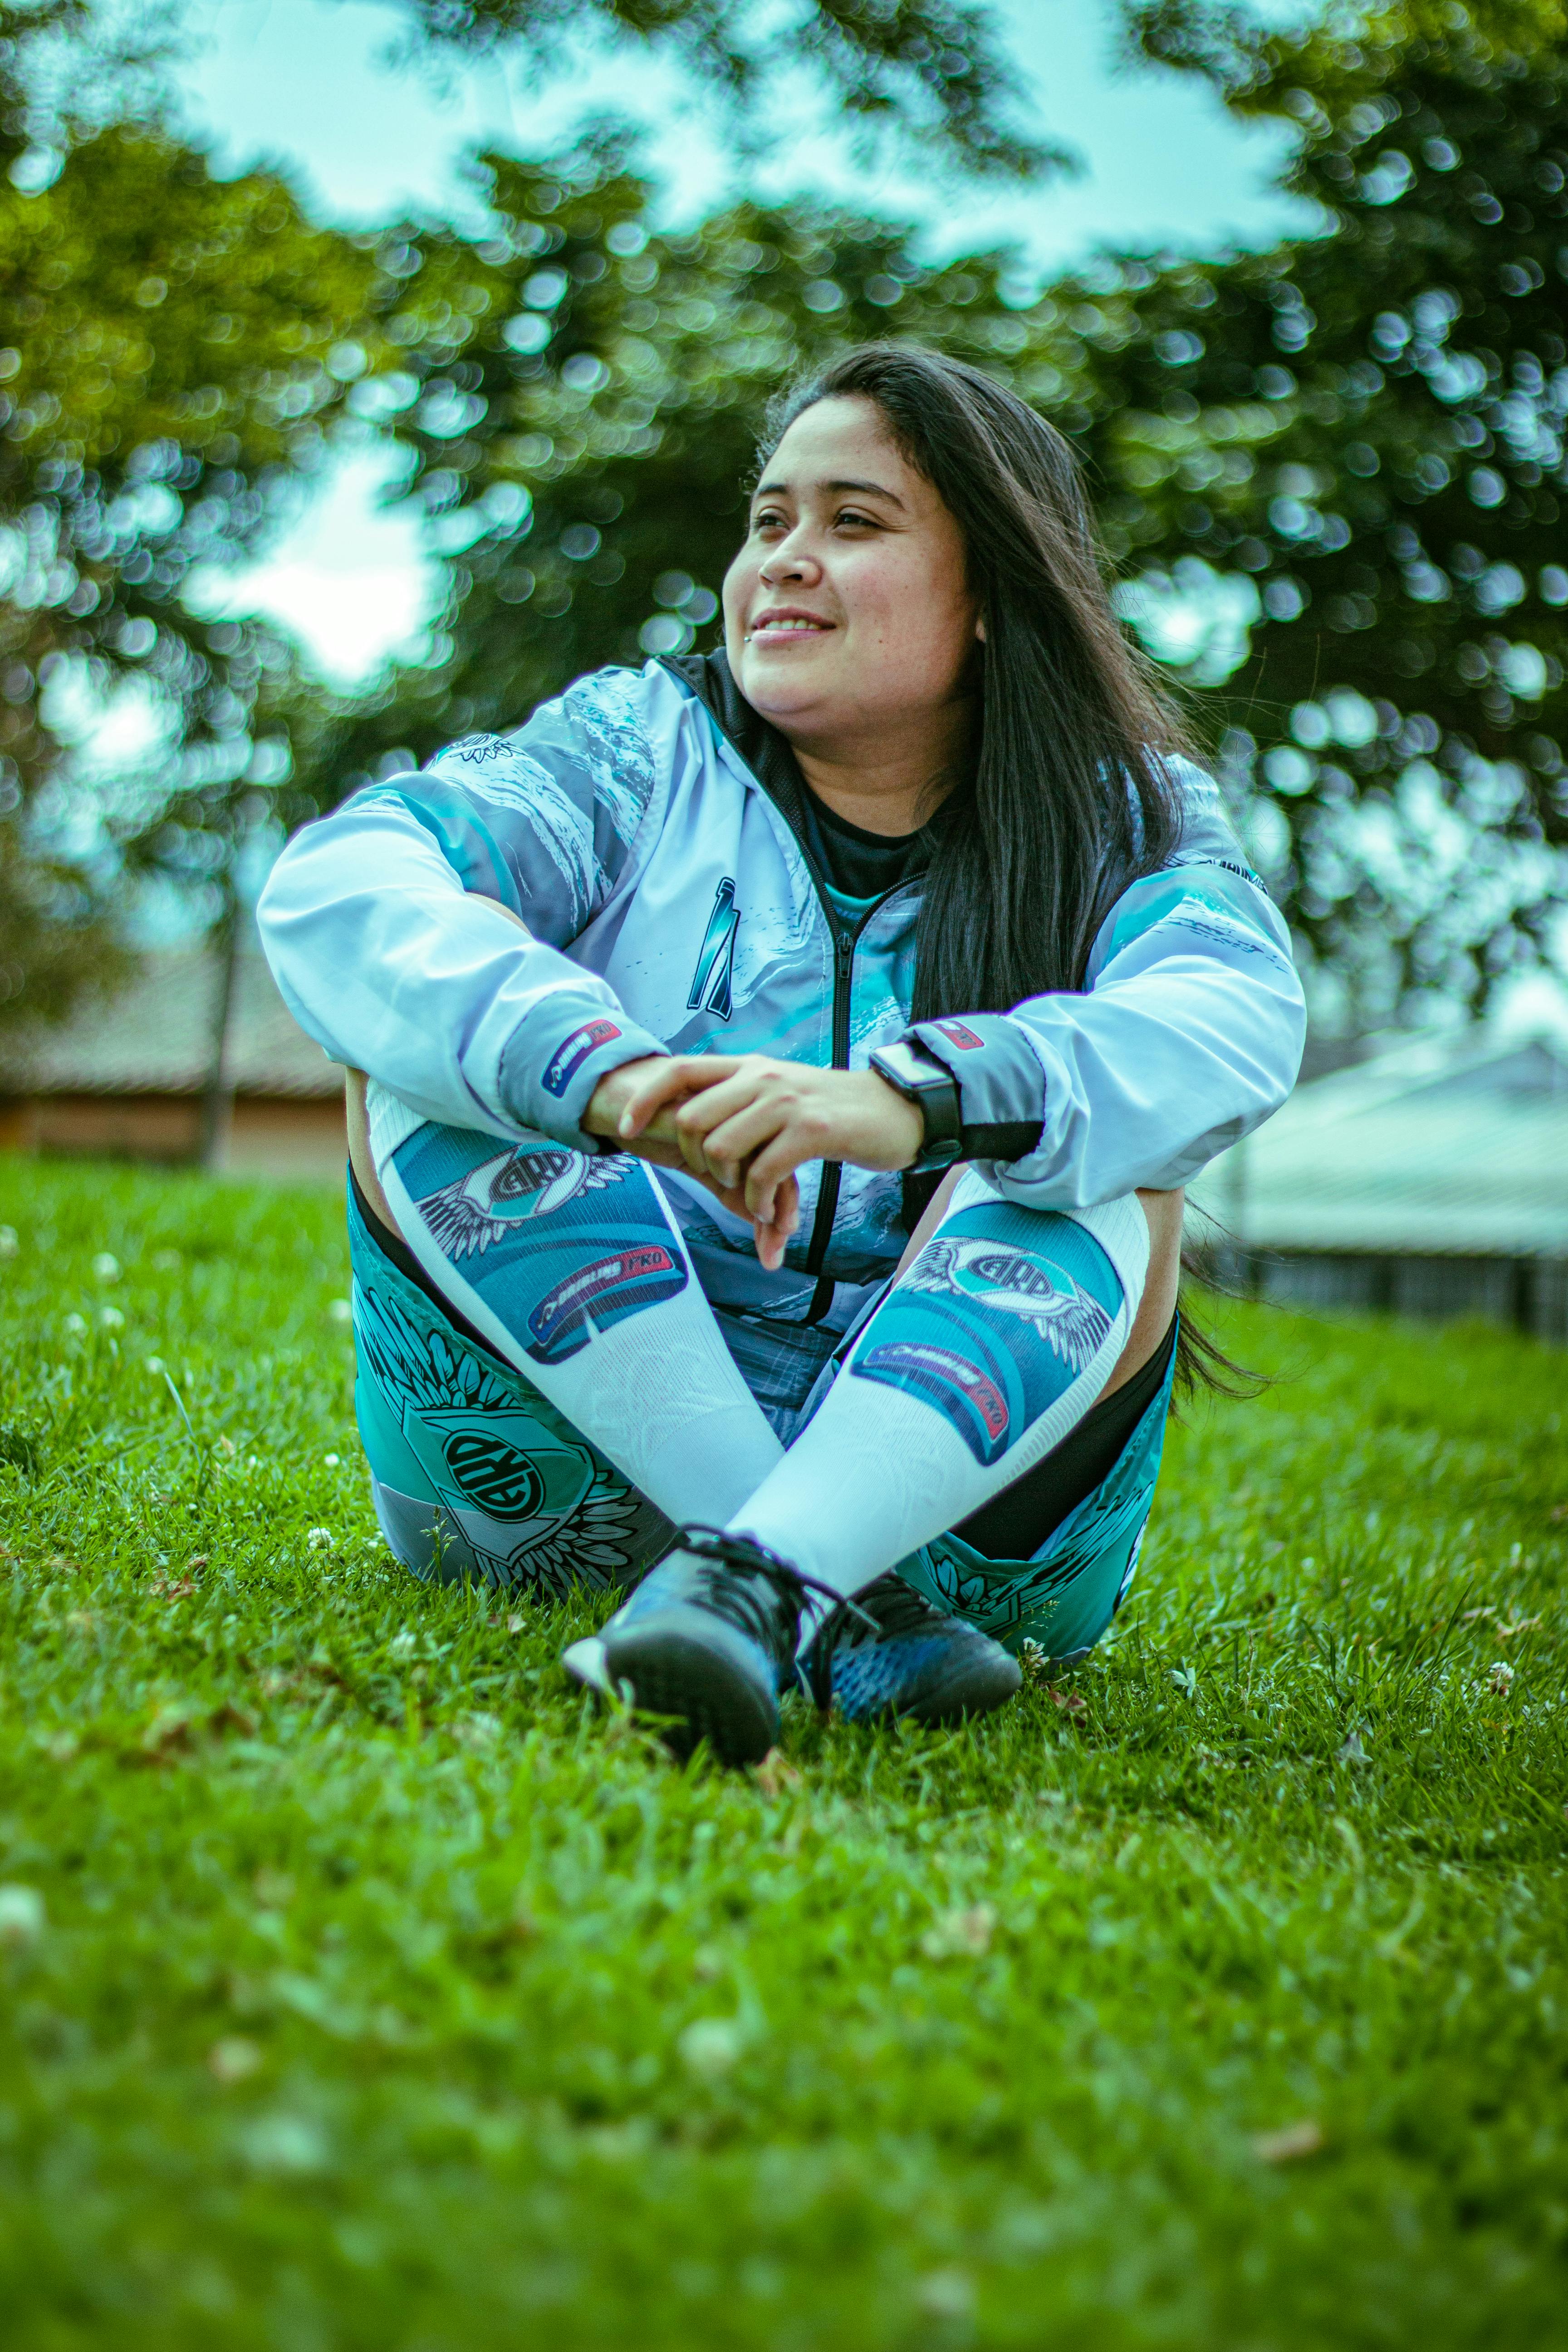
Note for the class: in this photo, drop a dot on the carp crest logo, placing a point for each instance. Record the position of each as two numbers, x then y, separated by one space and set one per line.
1013 1282
501 1193
535 1503
712 981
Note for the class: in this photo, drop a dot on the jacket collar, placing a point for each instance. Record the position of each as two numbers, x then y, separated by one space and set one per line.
760 746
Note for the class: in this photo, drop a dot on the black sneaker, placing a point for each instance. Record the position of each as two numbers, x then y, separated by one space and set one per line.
888 1652
709 1637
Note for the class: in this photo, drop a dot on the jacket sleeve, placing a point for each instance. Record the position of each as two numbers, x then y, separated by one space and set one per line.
418 932
1187 1036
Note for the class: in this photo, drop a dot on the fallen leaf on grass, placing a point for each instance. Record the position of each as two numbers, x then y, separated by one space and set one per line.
179 1590
1304 2139
959 1932
164 1736
1350 1750
1520 1625
174 1731
81 1621
774 1776
1071 1703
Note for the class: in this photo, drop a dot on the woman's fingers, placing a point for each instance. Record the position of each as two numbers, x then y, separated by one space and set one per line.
729 1146
767 1176
774 1234
718 1109
668 1083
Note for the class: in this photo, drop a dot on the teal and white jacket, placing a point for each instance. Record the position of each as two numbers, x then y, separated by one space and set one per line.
620 876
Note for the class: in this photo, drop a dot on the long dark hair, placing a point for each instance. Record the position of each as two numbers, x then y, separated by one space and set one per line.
1067 795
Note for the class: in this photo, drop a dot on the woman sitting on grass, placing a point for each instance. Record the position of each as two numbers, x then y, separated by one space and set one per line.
677 1007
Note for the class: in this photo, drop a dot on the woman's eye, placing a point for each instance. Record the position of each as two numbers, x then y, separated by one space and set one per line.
769 518
849 518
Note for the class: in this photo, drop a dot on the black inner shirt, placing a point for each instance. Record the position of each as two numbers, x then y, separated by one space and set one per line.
859 867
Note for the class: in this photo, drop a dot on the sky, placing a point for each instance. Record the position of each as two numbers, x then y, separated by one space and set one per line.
311 85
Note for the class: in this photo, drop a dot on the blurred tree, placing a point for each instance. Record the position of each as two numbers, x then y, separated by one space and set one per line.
170 345
1332 471
930 73
579 397
1368 428
1329 470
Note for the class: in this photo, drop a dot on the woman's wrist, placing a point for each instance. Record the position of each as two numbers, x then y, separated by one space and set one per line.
613 1092
894 1116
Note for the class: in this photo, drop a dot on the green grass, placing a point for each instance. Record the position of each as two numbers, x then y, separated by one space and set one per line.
383 1998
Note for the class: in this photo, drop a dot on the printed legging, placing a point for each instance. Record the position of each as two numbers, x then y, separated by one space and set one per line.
543 1391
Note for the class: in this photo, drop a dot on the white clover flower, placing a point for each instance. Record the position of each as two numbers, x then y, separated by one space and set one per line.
106 1266
21 1915
1499 1681
76 1325
320 1540
155 1365
331 1460
9 1244
402 1645
340 1311
710 2047
110 1318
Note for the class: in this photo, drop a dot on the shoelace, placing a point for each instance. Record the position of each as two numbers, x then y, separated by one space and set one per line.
728 1555
899 1609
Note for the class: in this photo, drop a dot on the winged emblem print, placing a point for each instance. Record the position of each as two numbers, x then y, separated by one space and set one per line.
481 1208
1075 1325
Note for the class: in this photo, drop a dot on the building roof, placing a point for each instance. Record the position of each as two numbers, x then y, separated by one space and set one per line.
1452 1144
155 1036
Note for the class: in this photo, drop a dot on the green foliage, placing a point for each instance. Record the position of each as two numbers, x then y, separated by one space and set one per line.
1370 424
1351 448
580 395
167 348
362 1988
926 73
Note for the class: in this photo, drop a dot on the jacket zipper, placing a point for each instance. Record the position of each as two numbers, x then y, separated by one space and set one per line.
844 941
844 944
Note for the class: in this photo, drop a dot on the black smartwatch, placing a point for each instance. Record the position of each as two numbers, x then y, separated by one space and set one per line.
921 1078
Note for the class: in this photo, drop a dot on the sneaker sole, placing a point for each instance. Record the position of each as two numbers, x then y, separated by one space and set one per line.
671 1674
966 1694
585 1660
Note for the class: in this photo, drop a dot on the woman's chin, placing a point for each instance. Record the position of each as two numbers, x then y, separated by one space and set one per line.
778 679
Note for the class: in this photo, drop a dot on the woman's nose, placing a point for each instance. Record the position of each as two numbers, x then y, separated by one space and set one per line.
791 559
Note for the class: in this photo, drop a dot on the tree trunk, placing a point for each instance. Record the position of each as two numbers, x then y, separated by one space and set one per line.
217 1096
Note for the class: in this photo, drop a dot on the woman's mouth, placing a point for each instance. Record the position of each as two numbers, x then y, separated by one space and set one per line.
769 628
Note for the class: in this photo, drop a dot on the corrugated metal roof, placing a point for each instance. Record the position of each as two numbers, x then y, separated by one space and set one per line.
1455 1143
155 1036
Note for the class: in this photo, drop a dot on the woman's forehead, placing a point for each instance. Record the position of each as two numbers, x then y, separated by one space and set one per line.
842 444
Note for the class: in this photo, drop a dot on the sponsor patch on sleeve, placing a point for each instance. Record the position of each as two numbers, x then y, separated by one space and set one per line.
570 1056
957 1035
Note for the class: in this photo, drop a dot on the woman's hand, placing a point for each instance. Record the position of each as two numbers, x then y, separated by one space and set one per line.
655 1138
744 1124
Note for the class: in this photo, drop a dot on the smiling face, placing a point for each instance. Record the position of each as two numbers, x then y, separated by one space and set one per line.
848 618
